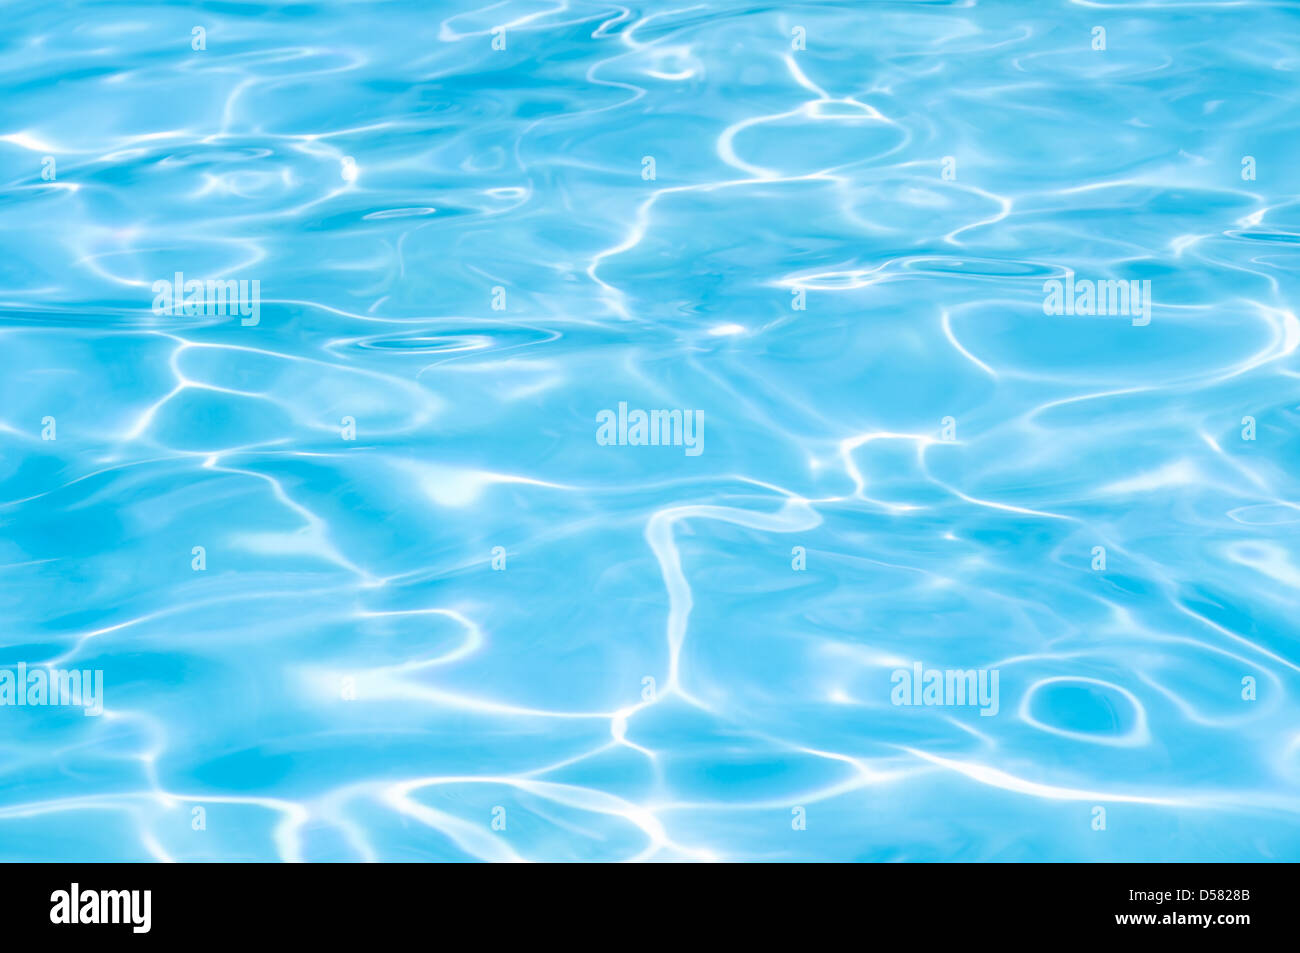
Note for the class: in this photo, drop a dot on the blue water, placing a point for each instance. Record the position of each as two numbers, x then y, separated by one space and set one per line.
839 256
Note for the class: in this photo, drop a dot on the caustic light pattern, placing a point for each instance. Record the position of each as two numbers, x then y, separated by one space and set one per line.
570 431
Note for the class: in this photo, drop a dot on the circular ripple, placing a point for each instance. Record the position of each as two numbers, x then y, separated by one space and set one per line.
459 340
1086 709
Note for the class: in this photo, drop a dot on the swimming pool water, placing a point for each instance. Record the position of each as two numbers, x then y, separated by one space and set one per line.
975 326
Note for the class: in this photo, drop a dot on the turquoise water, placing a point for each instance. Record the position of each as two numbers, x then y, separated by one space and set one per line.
826 233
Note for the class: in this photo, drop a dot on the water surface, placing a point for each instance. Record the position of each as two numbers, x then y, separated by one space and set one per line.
825 227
